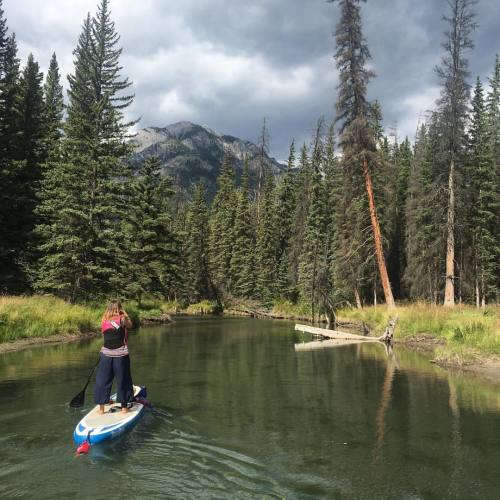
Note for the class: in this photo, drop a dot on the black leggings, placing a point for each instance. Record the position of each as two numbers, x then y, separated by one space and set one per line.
109 368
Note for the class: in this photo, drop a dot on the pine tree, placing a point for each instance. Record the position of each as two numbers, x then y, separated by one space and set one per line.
222 226
285 209
453 73
493 117
54 108
148 250
353 112
10 272
425 214
31 155
198 274
243 254
312 260
263 152
3 41
302 198
83 196
266 241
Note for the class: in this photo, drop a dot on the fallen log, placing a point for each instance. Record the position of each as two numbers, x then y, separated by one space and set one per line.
334 334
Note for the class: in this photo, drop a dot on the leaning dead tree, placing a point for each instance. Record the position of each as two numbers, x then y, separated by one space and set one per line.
357 138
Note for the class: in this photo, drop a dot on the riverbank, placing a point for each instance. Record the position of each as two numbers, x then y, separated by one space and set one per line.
40 320
464 337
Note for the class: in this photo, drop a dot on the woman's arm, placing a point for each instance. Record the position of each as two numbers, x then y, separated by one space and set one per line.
127 323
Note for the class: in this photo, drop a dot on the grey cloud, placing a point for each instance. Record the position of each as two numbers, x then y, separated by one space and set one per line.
227 64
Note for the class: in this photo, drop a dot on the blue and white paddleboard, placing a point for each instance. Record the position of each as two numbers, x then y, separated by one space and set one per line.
95 427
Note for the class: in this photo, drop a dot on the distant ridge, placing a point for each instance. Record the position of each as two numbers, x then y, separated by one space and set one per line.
191 153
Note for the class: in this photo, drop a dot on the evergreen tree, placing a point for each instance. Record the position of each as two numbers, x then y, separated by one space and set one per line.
312 260
242 259
54 108
148 250
356 135
10 168
425 214
3 41
482 199
266 241
301 202
198 275
31 155
453 73
83 196
222 226
286 198
405 158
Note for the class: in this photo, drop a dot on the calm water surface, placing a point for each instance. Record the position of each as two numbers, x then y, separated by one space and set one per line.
240 414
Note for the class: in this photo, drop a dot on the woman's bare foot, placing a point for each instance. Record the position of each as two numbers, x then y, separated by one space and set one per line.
101 409
125 410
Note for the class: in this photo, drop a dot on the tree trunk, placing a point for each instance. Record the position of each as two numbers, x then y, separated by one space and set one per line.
384 278
483 293
358 298
449 291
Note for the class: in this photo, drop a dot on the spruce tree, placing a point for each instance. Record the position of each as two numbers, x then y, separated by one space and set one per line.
302 198
222 227
425 215
357 138
312 260
148 250
3 40
54 108
83 196
11 275
266 241
197 257
31 155
453 103
243 258
285 210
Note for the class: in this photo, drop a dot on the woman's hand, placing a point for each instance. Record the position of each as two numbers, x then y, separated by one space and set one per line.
128 322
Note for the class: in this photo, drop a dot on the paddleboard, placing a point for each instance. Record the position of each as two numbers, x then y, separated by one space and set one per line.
94 427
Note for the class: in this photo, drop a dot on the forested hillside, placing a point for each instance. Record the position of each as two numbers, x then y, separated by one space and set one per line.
358 216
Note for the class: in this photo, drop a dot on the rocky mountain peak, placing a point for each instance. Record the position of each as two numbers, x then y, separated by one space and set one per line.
192 153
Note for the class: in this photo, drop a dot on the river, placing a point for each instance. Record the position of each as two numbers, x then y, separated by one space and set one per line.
239 414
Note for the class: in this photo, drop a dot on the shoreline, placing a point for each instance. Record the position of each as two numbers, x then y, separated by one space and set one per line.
484 365
65 338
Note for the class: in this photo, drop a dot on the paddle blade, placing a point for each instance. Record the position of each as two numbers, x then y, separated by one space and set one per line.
78 400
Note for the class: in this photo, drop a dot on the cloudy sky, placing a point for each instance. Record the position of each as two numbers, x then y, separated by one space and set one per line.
229 63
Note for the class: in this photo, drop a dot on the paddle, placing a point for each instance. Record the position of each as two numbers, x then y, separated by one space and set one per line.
79 399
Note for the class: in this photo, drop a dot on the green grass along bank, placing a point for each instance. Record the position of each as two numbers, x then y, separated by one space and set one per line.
41 317
458 336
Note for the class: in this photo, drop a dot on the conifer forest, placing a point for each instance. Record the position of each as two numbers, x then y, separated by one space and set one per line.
359 216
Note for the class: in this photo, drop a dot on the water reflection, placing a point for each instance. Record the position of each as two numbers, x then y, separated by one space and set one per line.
241 414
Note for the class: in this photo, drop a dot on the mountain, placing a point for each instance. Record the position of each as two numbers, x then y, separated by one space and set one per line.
191 153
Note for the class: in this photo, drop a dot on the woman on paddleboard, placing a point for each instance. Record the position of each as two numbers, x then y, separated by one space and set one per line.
114 359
